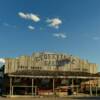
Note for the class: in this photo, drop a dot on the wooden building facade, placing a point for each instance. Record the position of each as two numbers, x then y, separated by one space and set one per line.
48 74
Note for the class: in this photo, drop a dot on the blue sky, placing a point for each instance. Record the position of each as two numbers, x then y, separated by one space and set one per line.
69 26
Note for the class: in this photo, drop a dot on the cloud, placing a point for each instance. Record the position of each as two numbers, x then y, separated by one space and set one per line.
60 35
31 27
2 60
5 24
9 25
41 28
29 16
96 38
55 22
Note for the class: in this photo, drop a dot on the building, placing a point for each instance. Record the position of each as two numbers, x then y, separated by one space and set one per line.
47 73
1 78
49 61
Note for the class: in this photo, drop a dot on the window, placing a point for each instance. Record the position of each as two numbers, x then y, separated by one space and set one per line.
45 56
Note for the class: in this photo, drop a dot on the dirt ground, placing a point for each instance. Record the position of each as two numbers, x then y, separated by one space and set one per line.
50 98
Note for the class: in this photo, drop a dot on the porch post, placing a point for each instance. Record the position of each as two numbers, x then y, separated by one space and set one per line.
32 86
77 90
72 86
10 85
90 88
12 90
53 85
97 88
77 86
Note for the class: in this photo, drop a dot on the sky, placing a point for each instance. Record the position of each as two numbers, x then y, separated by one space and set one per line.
66 26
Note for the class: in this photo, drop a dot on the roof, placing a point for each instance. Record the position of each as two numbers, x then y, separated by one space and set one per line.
45 73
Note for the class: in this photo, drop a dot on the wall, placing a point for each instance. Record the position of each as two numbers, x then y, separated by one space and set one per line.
49 61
